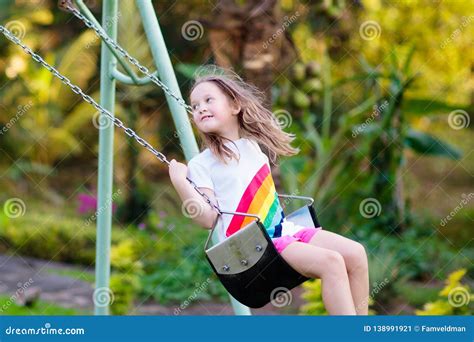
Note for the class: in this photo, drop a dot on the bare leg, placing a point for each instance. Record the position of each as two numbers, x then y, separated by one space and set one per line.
355 259
316 262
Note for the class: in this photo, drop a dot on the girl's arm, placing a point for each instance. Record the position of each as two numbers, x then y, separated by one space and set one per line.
202 213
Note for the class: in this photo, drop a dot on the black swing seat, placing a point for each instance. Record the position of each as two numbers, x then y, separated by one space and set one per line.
249 266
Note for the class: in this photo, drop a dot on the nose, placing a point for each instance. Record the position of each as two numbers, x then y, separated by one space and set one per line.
202 109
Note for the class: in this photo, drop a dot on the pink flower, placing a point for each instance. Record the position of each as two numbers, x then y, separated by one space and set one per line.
87 203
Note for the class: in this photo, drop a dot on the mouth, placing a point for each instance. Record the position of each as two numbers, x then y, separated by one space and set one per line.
206 117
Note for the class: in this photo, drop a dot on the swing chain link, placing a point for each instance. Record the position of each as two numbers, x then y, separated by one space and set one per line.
116 121
208 200
76 89
101 33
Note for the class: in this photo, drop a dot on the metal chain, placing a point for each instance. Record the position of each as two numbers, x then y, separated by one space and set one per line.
101 33
76 89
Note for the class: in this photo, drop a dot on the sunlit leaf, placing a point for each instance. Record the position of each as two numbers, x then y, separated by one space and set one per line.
424 143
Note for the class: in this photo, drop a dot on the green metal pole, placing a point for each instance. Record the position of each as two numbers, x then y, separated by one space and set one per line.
88 14
102 294
168 77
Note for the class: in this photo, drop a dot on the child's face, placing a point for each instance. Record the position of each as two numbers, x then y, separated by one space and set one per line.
213 111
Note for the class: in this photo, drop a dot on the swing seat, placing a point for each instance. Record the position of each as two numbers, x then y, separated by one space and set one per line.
248 264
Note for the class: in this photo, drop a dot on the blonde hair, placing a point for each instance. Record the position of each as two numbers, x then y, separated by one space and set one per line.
255 121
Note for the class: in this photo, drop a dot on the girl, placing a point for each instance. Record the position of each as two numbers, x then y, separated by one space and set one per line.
235 174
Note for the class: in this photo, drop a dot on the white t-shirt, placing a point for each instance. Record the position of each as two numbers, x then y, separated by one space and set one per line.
244 185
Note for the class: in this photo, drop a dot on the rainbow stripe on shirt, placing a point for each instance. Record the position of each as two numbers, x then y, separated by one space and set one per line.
259 198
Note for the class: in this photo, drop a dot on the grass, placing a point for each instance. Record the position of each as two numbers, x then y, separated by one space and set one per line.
8 307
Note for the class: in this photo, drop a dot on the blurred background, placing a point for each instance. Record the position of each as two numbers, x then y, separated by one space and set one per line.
380 95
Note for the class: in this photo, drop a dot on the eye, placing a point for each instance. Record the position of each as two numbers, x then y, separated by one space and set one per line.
194 107
208 99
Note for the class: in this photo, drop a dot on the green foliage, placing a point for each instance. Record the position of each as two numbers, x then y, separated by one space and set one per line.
175 266
454 299
53 117
188 70
170 283
38 308
52 238
419 255
124 256
416 107
301 90
313 295
136 205
347 156
443 36
125 281
338 169
124 287
165 263
426 144
4 219
384 267
415 294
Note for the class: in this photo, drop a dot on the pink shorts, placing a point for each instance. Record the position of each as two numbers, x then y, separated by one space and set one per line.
303 235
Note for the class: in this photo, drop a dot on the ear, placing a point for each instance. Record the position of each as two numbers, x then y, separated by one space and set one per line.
236 108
